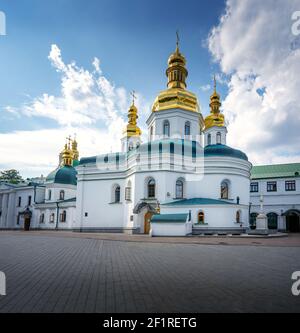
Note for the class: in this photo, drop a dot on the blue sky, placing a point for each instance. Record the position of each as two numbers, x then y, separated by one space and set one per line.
69 65
133 40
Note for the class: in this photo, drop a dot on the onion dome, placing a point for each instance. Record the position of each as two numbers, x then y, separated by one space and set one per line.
176 96
132 129
215 118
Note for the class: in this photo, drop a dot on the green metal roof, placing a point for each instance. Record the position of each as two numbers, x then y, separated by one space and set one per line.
275 171
169 218
198 201
223 150
63 175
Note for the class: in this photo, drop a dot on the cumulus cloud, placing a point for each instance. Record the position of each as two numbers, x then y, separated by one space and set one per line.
205 87
88 104
252 44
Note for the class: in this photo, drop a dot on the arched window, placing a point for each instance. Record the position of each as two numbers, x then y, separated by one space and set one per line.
49 194
62 195
238 216
201 217
179 189
151 188
128 191
63 216
209 139
218 138
52 218
252 221
272 220
117 193
42 218
187 128
224 190
166 129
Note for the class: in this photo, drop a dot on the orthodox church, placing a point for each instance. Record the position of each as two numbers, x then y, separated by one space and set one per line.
184 180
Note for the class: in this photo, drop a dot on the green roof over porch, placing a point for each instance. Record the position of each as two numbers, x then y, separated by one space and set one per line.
169 218
197 201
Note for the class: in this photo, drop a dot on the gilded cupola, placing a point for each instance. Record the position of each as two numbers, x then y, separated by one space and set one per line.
215 118
67 154
132 129
176 96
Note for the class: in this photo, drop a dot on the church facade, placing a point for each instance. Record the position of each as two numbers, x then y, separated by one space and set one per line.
184 180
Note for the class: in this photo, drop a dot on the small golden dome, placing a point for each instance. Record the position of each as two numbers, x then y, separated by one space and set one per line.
215 118
67 155
132 129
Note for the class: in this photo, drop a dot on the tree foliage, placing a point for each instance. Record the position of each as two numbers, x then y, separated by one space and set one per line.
11 176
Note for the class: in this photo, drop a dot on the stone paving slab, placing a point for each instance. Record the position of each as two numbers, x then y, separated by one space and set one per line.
59 272
292 239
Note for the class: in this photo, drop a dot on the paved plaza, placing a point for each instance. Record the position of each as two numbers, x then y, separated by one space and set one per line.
67 272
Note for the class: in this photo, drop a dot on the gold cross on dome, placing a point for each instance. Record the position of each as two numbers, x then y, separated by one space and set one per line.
177 38
69 140
133 96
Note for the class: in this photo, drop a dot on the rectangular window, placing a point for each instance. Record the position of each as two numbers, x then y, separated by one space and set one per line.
19 201
52 218
290 185
271 186
254 187
29 200
128 193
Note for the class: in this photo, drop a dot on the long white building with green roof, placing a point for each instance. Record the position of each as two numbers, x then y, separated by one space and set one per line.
279 186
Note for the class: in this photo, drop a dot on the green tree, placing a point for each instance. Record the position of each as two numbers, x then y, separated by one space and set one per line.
11 176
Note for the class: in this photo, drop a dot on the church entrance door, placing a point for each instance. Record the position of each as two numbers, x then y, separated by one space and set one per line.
293 222
27 223
147 219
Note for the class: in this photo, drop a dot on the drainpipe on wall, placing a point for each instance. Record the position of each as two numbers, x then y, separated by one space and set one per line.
57 214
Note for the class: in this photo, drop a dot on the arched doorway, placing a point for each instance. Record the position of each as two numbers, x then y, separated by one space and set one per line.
147 219
252 221
272 220
27 218
26 223
292 220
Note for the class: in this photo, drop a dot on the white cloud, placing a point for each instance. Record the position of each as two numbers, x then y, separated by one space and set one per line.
85 99
205 87
36 152
252 44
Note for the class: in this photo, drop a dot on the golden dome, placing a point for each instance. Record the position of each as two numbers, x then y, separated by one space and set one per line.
215 118
132 129
176 96
67 155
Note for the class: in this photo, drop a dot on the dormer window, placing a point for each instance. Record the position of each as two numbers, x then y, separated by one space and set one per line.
218 138
166 128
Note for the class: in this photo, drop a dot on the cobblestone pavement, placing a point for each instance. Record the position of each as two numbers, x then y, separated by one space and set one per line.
48 272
